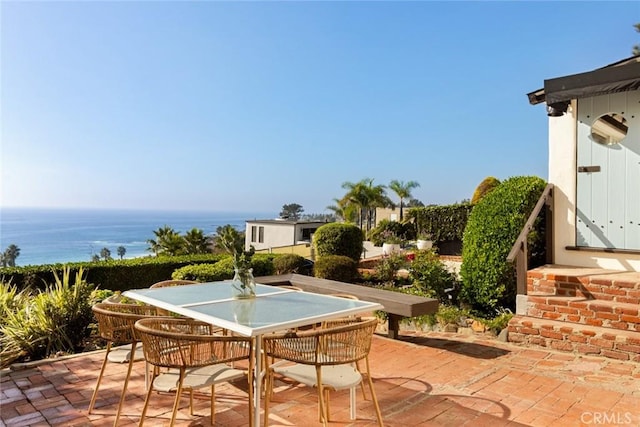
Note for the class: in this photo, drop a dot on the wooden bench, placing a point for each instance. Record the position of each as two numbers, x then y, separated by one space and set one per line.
396 304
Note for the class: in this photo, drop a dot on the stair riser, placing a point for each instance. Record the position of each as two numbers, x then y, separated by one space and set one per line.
626 292
584 312
575 340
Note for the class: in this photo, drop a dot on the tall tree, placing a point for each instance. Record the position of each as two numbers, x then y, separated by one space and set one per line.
121 251
195 242
636 48
291 211
344 211
366 197
167 242
105 253
403 191
9 256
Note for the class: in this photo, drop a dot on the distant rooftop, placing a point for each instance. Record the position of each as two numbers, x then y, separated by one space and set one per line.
284 221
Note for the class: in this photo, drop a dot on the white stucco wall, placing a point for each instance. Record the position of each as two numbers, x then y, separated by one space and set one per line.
276 233
562 173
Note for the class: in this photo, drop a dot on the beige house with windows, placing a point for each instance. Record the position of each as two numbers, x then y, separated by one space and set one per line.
273 233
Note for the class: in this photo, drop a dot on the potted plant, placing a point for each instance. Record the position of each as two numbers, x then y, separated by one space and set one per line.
230 240
424 241
390 242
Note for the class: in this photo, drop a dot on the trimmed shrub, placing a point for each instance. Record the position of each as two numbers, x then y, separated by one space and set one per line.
336 267
485 187
289 263
205 272
262 265
494 225
429 275
338 239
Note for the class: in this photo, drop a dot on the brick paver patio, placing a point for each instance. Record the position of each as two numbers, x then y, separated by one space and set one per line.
424 379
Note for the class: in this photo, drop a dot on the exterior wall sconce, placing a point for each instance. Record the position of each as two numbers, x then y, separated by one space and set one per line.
557 109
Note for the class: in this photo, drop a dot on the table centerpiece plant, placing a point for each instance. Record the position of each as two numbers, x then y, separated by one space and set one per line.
231 241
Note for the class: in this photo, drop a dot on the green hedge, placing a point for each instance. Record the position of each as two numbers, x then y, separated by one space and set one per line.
336 267
494 225
262 265
117 275
290 263
339 239
444 223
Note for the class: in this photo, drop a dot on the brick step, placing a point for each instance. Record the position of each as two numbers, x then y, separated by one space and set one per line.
576 310
590 283
574 338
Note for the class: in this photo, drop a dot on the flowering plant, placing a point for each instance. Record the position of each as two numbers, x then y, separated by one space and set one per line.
390 237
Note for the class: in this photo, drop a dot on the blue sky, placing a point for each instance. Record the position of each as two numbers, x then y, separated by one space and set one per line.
246 106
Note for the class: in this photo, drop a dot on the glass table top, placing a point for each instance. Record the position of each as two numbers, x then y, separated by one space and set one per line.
273 308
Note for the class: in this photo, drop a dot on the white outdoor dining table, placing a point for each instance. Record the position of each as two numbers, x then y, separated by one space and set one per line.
273 309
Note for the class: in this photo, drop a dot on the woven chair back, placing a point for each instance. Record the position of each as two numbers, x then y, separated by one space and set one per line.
168 283
347 340
187 343
116 321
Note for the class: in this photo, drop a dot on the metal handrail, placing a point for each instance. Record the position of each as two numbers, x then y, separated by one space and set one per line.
518 252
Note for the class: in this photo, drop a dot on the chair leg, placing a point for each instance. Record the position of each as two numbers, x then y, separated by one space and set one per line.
126 382
213 403
146 399
364 395
352 403
373 394
327 403
104 365
321 405
176 403
250 379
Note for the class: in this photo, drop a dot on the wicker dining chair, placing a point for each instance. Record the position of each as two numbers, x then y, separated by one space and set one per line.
116 326
324 358
197 357
173 282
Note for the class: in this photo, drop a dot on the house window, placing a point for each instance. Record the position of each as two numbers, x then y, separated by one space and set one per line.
253 233
307 232
261 235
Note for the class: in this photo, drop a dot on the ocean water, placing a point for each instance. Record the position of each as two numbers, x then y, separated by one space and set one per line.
47 236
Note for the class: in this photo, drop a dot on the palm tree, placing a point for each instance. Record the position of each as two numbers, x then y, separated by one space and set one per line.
167 242
231 241
195 242
403 190
343 210
121 251
9 256
366 197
